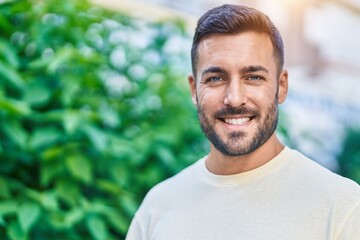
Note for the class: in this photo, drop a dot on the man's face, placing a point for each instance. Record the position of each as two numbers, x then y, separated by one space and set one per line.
237 90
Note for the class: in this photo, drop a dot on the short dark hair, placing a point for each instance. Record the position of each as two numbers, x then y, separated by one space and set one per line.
233 19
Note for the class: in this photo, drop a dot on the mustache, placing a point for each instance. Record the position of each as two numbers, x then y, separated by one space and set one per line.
236 111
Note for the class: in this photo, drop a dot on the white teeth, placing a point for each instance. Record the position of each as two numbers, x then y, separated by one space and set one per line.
237 121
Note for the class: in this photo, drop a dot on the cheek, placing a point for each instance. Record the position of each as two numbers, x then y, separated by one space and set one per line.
210 98
264 95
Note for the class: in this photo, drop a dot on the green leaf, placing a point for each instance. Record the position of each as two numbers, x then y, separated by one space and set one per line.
73 217
15 232
8 207
68 191
16 133
48 201
120 174
49 116
97 137
16 107
61 56
165 155
28 214
110 117
97 227
121 148
37 94
44 137
4 23
109 186
79 167
38 64
49 170
71 88
4 188
71 121
118 221
8 53
11 75
98 207
129 204
52 153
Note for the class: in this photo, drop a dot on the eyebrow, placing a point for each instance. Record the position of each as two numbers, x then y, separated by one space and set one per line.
213 70
253 68
244 70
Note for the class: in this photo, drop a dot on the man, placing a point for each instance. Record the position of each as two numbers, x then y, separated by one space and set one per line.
250 186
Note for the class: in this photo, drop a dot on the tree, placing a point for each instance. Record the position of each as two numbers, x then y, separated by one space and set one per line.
94 110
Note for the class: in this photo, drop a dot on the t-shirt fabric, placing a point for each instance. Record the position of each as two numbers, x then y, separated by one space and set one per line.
291 197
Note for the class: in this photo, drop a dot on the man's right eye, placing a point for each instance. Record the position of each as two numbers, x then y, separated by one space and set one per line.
215 79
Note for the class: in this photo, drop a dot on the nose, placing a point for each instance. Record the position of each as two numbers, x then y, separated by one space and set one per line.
235 95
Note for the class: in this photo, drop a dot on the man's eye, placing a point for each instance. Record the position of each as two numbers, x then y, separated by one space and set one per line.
255 78
215 79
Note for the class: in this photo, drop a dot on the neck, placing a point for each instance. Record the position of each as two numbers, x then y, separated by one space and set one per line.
220 164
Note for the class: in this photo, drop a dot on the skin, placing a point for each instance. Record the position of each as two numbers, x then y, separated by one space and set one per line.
238 71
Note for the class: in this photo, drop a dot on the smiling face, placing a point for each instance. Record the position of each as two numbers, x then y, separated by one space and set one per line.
237 90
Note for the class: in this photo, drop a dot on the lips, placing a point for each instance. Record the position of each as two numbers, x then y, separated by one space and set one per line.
236 116
237 121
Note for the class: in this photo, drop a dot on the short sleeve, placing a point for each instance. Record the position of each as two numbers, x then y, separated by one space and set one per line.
351 230
134 232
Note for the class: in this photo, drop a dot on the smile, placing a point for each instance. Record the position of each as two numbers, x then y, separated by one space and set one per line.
237 121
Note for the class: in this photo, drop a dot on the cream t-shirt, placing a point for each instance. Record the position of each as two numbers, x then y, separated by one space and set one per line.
291 197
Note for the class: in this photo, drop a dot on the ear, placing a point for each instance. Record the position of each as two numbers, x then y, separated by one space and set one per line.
283 86
192 84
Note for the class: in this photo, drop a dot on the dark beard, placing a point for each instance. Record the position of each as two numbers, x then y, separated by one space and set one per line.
263 133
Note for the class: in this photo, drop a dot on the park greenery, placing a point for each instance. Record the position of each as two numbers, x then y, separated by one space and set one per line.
94 111
349 157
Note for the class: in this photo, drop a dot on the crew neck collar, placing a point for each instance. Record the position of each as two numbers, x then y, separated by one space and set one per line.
237 179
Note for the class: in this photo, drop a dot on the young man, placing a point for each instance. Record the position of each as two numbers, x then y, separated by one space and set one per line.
250 186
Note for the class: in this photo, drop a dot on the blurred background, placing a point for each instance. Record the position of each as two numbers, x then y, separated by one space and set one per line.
95 107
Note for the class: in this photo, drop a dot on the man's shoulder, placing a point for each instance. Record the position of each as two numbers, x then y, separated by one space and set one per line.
176 185
321 177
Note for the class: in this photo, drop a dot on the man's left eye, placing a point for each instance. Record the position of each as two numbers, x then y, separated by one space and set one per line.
215 79
255 78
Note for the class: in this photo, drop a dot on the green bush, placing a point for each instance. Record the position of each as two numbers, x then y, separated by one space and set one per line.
349 157
94 110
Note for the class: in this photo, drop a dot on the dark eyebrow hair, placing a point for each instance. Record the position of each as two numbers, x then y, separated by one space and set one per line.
253 68
213 70
244 70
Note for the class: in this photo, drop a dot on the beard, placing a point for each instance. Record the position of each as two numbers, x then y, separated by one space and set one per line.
237 143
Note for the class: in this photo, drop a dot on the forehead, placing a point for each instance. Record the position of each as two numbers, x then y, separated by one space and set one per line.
237 50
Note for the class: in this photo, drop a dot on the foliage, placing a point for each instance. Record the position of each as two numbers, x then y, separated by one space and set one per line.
93 112
349 158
